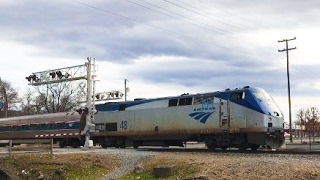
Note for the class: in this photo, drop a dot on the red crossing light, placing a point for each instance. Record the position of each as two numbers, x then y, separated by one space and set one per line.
28 78
53 75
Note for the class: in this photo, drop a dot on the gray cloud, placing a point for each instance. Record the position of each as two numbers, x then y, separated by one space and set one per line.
228 43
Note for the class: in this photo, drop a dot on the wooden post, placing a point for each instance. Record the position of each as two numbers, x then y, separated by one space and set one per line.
10 147
51 149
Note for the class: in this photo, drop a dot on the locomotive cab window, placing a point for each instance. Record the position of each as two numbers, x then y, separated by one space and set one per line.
173 102
185 101
122 107
237 96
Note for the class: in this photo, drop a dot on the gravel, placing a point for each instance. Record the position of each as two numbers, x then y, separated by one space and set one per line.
129 159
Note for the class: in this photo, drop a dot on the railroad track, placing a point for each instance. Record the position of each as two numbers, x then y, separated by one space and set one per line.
231 150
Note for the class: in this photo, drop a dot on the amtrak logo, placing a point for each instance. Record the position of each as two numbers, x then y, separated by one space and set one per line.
70 124
202 116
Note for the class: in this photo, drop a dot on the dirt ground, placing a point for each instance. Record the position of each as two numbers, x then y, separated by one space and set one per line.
227 166
207 165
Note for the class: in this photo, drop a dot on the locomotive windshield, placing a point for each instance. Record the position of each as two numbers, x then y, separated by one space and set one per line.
266 102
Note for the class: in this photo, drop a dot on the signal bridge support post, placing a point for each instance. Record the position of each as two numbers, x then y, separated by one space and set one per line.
71 74
90 105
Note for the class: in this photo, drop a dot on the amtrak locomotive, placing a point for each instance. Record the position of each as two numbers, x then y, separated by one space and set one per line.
242 118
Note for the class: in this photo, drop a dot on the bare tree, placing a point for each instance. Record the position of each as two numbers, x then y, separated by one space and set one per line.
9 96
301 119
312 117
28 105
315 118
52 98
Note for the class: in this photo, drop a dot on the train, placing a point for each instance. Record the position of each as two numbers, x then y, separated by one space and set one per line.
243 118
62 127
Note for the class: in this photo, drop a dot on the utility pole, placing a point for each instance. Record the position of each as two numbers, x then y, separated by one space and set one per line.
125 89
288 77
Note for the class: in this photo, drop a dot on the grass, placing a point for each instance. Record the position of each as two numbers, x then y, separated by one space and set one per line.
181 169
82 166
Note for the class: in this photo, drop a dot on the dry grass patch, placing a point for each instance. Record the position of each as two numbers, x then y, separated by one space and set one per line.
233 166
237 166
181 169
80 166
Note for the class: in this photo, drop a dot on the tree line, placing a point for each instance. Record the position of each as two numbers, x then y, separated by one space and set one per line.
308 121
50 98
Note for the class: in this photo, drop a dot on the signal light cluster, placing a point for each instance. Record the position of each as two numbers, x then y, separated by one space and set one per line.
109 95
59 74
32 77
83 110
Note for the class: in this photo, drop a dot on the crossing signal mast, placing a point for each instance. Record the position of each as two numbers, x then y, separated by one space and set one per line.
86 71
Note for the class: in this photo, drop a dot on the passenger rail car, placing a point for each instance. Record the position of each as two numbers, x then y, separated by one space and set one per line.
61 127
241 118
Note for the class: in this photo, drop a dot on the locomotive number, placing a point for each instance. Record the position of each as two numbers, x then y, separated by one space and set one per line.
123 125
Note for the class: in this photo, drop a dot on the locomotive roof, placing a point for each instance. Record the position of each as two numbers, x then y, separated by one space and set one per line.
186 95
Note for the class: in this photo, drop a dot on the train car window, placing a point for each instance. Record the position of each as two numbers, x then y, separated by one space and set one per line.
24 127
33 127
182 102
237 96
185 101
122 107
100 127
42 126
189 101
173 102
19 128
60 125
111 126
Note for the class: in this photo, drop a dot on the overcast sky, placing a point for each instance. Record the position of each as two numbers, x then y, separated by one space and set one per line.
168 47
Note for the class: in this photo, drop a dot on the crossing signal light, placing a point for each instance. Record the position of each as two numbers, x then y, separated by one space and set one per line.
33 78
67 75
53 75
59 74
28 78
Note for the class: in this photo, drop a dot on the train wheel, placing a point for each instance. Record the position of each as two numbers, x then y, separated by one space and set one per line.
104 145
75 144
62 144
211 147
136 144
254 147
224 148
120 143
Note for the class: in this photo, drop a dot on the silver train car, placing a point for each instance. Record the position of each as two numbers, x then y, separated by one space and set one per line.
244 118
63 128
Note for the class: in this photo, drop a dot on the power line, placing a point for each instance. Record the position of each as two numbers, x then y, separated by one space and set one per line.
160 28
235 15
239 26
200 26
288 77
